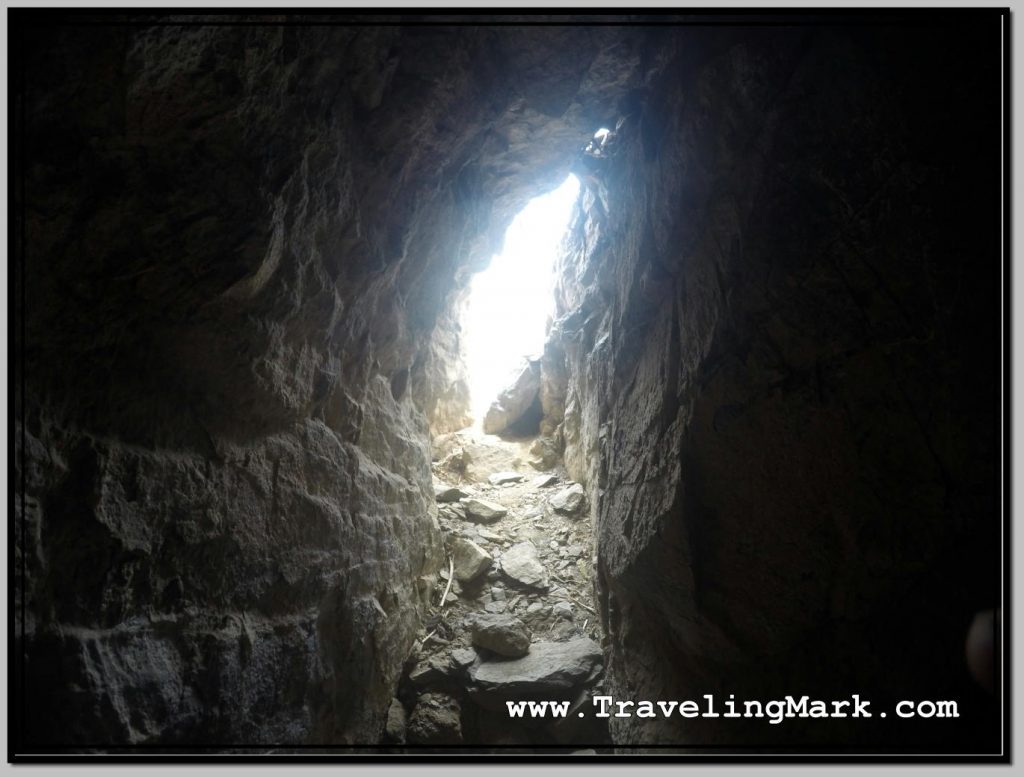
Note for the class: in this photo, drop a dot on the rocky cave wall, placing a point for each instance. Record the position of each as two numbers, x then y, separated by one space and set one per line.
778 342
242 255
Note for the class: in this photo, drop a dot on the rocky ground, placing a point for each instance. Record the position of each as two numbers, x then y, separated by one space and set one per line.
514 615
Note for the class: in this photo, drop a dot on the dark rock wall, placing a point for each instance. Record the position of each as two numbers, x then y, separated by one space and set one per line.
239 244
779 314
244 250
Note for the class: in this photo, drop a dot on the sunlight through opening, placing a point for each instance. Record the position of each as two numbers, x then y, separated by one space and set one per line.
510 301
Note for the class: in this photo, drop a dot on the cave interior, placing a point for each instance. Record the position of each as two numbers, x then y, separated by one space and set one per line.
759 448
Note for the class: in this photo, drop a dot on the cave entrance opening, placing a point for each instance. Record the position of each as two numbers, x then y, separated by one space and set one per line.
518 579
510 302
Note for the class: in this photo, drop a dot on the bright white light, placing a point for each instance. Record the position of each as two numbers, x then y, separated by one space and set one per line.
510 301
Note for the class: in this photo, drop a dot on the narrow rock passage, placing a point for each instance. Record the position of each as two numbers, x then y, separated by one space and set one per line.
515 619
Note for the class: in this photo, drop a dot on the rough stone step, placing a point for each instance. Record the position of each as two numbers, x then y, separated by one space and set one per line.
501 478
482 511
548 667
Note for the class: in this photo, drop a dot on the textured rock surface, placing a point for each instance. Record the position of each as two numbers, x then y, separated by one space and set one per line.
394 728
522 564
543 481
244 252
241 252
470 560
549 667
435 721
780 360
483 510
446 493
505 635
568 500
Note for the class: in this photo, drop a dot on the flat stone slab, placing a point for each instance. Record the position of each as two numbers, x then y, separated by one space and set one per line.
501 478
482 511
488 535
522 563
452 510
543 481
445 493
548 667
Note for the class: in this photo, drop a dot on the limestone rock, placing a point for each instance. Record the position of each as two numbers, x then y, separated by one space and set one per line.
569 500
488 535
514 400
463 657
505 635
446 493
435 721
452 511
548 667
470 560
522 563
501 478
243 252
543 481
482 511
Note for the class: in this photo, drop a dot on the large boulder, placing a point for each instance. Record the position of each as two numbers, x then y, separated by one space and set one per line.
514 400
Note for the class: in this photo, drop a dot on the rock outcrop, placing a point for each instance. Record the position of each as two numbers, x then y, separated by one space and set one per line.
515 400
778 358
